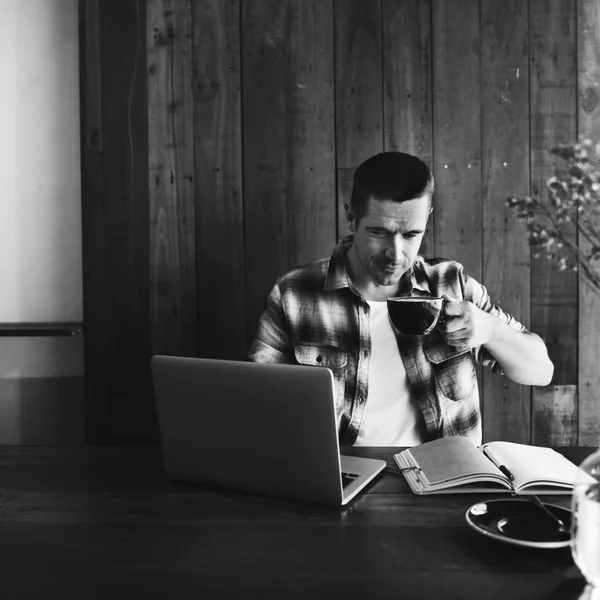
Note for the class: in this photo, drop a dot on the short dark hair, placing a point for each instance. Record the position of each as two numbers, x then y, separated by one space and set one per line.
392 176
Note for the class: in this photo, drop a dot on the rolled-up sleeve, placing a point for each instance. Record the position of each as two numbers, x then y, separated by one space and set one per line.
477 293
272 343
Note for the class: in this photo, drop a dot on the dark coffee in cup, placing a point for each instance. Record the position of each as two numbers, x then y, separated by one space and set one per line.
414 315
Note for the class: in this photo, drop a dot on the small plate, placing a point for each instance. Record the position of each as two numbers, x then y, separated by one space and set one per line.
519 522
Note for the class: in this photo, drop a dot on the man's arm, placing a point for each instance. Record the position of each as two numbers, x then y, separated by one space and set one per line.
272 343
522 355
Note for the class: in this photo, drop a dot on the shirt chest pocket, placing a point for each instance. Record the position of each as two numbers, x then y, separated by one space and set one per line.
453 371
321 356
331 357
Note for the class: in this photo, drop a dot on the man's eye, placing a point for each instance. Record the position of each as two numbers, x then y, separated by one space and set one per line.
410 236
378 233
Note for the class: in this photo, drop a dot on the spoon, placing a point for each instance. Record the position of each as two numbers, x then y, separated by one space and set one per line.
561 526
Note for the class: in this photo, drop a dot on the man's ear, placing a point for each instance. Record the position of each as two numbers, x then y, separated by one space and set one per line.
350 215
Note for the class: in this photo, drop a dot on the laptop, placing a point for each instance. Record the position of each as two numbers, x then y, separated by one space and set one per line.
253 427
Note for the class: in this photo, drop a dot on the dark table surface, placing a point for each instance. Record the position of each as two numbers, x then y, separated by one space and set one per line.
104 522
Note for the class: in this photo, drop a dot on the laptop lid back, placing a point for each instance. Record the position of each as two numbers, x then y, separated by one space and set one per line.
267 429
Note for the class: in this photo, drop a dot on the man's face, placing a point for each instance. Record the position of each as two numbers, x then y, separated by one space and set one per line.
387 239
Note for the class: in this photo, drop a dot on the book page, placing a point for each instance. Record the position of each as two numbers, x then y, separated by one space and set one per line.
534 463
452 458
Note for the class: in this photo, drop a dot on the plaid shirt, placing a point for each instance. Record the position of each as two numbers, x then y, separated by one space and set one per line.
315 316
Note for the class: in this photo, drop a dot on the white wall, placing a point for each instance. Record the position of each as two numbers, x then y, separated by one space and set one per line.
41 379
40 183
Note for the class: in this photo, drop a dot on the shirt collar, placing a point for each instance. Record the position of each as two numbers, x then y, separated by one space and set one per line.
338 277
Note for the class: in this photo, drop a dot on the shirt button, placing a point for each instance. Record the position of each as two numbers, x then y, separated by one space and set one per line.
366 353
361 399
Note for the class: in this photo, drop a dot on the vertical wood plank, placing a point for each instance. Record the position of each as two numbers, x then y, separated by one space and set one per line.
171 178
407 77
119 402
90 17
505 172
218 180
345 179
407 85
588 36
97 425
457 132
555 416
358 81
288 140
553 121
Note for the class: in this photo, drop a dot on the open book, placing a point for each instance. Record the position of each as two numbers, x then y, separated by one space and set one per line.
456 465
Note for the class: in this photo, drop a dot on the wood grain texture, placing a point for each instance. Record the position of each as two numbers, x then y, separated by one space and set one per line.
407 77
555 416
89 21
345 180
173 305
553 121
218 180
119 404
588 35
106 522
97 421
505 172
408 85
358 93
253 191
457 133
288 140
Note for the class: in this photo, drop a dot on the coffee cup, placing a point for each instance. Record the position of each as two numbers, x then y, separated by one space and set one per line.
414 315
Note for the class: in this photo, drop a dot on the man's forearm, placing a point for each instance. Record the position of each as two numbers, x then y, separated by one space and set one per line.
522 355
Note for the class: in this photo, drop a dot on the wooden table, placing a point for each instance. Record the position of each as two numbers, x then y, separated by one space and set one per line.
99 522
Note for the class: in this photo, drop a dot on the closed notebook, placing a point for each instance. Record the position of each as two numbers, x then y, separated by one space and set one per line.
456 465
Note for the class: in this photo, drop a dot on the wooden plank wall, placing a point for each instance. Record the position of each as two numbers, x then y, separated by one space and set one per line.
288 140
220 257
588 380
553 105
116 223
173 304
219 144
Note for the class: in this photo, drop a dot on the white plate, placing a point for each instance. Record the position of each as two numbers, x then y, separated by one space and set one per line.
518 521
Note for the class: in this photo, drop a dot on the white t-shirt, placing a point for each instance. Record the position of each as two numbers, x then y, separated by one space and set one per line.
392 417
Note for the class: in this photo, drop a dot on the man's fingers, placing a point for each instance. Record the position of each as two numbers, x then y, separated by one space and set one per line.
450 323
459 334
451 308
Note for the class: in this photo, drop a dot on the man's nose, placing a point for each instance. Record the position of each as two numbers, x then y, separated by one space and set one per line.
395 248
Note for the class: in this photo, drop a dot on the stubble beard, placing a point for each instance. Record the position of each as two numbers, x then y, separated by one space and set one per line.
388 278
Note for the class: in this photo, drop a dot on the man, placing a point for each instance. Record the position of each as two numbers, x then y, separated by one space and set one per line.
394 390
